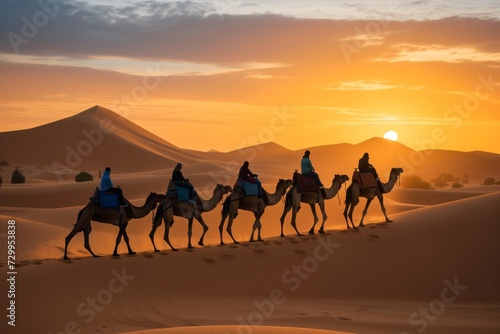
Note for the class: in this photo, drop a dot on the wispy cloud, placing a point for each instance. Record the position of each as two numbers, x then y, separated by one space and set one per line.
439 53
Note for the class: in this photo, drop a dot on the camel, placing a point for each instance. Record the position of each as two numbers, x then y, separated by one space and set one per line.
294 198
354 192
257 205
171 207
112 216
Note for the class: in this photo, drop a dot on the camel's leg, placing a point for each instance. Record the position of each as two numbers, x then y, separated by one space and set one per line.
221 228
257 226
70 236
156 223
351 210
283 216
313 210
168 223
229 227
382 206
294 222
118 240
190 231
365 210
205 229
346 209
86 234
325 217
286 209
127 240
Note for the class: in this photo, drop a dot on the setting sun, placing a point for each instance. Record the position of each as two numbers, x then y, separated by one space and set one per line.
391 135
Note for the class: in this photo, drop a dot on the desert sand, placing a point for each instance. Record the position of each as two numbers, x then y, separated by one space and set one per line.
433 269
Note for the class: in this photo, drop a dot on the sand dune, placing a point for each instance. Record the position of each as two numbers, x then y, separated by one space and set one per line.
438 256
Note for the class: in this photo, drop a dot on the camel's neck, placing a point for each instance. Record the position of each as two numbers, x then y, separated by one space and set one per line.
390 184
278 194
210 204
142 211
332 191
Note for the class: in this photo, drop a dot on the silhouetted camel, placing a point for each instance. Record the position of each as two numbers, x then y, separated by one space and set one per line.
354 192
112 216
294 198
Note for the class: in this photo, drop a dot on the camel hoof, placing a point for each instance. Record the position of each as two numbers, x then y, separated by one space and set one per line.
190 247
251 240
282 235
237 242
65 258
389 221
222 244
174 250
132 253
200 243
157 251
116 254
260 239
361 225
321 231
311 232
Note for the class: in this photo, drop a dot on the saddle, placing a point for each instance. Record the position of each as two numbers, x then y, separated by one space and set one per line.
365 180
304 183
248 188
105 200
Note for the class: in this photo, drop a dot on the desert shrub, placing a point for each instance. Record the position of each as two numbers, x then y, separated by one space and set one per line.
489 181
415 182
443 180
457 185
17 176
84 177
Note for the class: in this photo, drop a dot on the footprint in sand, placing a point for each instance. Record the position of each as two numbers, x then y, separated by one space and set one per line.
233 246
226 256
258 251
372 237
293 241
277 243
300 252
208 260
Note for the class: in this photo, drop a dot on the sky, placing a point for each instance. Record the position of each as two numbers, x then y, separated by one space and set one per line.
231 73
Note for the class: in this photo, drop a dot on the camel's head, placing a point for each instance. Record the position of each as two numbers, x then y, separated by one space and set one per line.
341 178
285 183
397 171
224 189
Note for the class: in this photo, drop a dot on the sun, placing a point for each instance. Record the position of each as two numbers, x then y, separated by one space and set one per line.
391 135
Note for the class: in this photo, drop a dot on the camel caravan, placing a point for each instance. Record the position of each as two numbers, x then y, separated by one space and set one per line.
109 206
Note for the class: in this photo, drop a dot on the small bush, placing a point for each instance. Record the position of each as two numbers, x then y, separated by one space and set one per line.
489 181
457 185
17 176
415 182
84 177
440 183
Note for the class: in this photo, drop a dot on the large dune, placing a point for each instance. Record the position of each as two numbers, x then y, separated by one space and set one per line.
432 270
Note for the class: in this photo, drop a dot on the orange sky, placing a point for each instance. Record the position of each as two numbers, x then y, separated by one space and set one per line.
226 81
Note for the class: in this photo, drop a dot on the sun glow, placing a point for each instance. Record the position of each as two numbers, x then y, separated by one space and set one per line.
391 135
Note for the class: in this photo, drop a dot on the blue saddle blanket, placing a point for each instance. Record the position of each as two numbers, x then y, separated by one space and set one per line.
251 189
181 193
108 200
